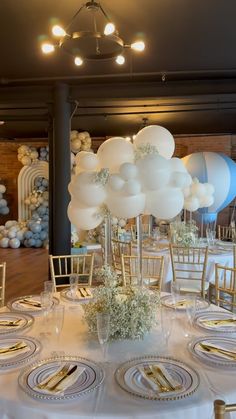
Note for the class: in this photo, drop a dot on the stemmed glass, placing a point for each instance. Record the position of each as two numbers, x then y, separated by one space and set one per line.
74 279
190 313
103 330
46 302
167 321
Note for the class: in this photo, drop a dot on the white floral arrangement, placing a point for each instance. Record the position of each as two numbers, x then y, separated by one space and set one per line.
144 150
132 309
184 233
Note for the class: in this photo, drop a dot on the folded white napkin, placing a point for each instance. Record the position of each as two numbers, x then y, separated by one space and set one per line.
23 348
215 353
54 388
154 385
220 323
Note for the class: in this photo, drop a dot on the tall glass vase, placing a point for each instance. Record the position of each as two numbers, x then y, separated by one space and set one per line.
139 249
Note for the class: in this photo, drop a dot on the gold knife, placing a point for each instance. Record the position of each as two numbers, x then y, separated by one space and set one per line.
226 352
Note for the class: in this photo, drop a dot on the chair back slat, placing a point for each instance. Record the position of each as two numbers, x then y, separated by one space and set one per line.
152 270
2 283
225 287
119 248
226 233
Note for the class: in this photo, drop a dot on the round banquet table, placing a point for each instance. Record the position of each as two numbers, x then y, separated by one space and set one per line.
109 401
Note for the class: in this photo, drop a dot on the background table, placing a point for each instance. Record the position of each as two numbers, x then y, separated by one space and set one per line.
109 401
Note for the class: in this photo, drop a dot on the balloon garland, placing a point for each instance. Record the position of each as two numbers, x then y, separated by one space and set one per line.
4 209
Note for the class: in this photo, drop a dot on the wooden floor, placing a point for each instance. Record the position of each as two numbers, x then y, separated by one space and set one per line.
26 270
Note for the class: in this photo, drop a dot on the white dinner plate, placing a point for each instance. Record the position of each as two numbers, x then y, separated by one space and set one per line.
181 302
91 377
208 321
13 322
210 357
130 379
80 297
18 304
16 358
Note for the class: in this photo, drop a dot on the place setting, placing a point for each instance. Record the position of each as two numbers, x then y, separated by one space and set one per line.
13 322
157 378
214 350
61 378
182 302
76 292
32 304
216 321
15 351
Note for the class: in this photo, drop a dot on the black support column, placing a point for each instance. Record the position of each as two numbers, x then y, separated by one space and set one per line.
59 172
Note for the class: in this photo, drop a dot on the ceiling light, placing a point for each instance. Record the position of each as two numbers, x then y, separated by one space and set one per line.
47 48
120 59
78 61
2 122
138 46
94 43
109 28
58 31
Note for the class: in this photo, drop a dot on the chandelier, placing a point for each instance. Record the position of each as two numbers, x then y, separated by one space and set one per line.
93 44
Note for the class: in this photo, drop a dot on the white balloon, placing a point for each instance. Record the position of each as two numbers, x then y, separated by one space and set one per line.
188 180
86 160
165 203
122 223
186 191
206 201
72 160
10 223
209 188
157 136
115 182
14 243
23 149
11 234
34 155
82 136
198 190
84 218
132 187
88 192
2 188
128 171
114 221
114 152
126 206
177 165
73 135
75 145
4 242
178 179
191 204
154 171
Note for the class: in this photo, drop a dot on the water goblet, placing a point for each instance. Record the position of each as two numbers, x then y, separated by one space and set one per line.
48 286
103 330
46 301
74 279
190 314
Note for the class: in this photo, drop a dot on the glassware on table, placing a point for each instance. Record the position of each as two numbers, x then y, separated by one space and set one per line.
46 301
190 314
103 330
58 320
167 321
48 286
74 279
175 291
211 237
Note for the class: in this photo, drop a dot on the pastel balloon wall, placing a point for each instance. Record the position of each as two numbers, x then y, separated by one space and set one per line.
220 171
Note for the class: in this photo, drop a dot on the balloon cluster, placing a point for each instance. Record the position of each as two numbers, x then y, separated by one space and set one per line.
39 197
4 210
129 179
27 155
44 153
80 141
198 195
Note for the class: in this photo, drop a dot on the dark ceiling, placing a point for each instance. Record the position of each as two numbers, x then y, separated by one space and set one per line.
184 80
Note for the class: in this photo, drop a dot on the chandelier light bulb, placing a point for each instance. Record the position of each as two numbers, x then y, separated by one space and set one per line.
78 61
109 28
58 31
47 48
120 59
138 46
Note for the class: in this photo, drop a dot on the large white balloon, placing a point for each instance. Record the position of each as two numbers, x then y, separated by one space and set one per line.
191 203
165 203
84 218
126 206
177 165
88 192
128 171
86 160
157 136
115 182
154 171
114 152
132 187
178 179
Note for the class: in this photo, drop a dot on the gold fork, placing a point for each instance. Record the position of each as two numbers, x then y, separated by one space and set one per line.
59 375
149 373
159 371
221 351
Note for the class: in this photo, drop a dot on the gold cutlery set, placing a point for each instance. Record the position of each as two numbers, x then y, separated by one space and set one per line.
32 303
219 322
16 347
159 378
52 383
13 323
217 350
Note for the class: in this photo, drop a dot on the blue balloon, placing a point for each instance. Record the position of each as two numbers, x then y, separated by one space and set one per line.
38 243
44 225
219 170
45 183
26 243
36 228
28 235
31 242
46 218
43 235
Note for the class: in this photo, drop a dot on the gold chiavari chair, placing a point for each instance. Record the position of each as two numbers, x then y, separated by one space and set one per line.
61 267
189 268
220 408
225 287
118 248
152 270
2 283
227 233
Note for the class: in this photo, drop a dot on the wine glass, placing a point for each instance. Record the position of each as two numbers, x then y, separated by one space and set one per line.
103 329
167 321
74 279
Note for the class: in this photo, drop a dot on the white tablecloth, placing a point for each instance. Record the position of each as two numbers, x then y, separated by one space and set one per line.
109 401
